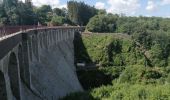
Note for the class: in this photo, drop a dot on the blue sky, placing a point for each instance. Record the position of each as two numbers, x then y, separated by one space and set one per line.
159 8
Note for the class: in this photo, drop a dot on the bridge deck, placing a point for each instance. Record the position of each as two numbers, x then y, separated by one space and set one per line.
12 35
9 31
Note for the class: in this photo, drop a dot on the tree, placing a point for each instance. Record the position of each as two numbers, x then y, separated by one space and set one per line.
96 24
3 16
102 23
9 4
44 14
80 13
26 13
14 12
101 12
156 55
11 12
73 11
58 20
59 12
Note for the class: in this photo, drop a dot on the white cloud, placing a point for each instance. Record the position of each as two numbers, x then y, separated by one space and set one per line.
123 6
151 6
52 3
166 16
165 2
99 5
62 6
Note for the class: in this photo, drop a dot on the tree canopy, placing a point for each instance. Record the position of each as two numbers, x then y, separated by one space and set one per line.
14 12
79 12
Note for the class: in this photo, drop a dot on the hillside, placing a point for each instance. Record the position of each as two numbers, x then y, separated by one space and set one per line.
126 70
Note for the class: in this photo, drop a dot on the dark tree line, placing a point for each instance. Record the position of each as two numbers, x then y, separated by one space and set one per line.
152 33
14 12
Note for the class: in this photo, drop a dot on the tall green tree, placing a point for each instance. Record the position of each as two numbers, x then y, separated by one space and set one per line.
44 14
79 12
26 13
11 11
59 12
102 23
9 4
3 16
14 12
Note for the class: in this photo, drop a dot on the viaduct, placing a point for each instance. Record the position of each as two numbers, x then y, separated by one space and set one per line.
38 64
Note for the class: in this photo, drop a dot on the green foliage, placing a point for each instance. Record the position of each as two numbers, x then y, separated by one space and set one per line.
79 96
101 12
168 78
58 20
126 91
79 12
99 48
132 74
112 71
124 59
152 74
13 12
129 25
157 55
139 74
44 14
3 19
59 12
108 50
27 15
102 23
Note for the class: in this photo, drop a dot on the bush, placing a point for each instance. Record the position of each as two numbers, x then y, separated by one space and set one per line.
79 96
132 74
58 20
108 50
114 71
152 74
124 62
102 23
125 91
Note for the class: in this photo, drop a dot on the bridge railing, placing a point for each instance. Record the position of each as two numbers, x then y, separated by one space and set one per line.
7 30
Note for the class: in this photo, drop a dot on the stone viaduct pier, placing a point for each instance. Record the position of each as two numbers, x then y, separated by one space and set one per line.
38 64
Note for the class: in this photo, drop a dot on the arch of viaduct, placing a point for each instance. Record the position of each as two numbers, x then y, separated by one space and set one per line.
20 51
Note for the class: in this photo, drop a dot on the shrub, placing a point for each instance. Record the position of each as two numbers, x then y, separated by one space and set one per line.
132 74
108 50
79 96
58 20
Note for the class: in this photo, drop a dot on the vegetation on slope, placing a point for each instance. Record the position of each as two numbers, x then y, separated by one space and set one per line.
123 24
149 47
124 91
133 83
109 50
125 71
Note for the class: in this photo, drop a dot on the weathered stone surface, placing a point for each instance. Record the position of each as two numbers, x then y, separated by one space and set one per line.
54 75
44 66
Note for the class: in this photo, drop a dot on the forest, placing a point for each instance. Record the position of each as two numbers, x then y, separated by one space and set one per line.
132 52
15 12
132 55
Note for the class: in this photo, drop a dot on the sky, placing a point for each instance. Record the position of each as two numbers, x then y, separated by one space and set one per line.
159 8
